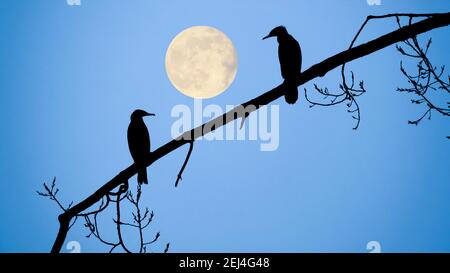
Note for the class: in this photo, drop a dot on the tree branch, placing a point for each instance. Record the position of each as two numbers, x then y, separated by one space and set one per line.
191 146
317 70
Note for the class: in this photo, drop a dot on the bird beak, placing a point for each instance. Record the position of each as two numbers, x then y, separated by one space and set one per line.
268 36
150 114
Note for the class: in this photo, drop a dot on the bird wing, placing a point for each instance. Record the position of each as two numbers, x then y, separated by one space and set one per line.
290 57
138 141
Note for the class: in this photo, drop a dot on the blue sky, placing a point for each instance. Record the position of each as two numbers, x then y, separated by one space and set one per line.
71 75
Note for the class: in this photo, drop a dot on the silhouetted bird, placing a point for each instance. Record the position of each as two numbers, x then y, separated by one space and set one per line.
290 56
139 143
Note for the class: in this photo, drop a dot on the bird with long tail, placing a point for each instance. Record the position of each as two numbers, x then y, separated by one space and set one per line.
139 143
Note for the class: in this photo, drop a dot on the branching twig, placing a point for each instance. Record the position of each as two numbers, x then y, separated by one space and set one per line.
141 220
51 192
428 78
349 92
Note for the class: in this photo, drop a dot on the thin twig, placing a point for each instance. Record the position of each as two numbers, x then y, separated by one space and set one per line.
191 146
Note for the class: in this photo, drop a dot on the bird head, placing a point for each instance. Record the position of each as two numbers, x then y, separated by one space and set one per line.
277 32
140 114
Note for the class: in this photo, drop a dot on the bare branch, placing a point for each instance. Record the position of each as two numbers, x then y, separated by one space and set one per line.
191 146
123 189
167 248
427 78
51 192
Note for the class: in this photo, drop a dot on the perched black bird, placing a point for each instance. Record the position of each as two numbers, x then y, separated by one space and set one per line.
139 143
290 56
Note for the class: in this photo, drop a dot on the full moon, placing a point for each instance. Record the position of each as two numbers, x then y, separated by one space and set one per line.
201 62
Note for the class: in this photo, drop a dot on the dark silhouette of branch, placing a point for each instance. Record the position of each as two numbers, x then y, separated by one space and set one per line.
140 220
349 93
123 189
51 192
167 248
191 146
428 78
432 21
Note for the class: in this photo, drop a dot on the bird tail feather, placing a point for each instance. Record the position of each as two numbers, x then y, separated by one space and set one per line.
142 176
291 94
